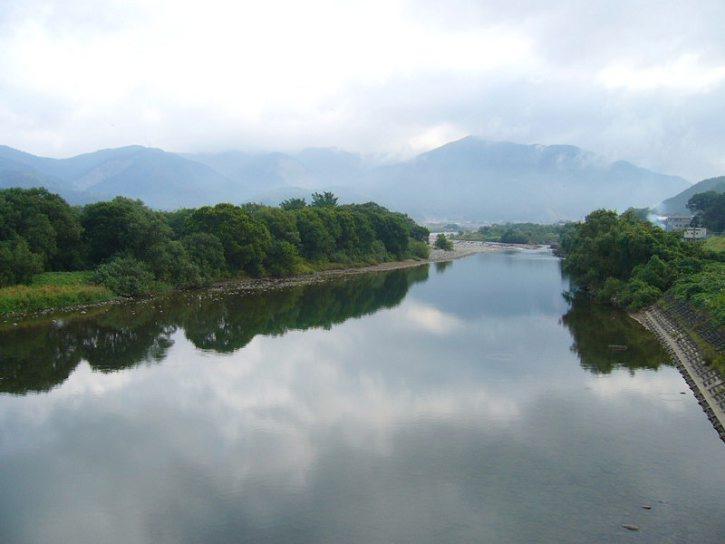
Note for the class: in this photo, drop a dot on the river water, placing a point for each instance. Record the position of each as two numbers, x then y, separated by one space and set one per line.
456 402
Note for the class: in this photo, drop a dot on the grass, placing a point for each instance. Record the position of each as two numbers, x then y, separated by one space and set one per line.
82 277
52 290
715 243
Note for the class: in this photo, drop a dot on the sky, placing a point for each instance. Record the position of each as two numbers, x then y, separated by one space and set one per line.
636 80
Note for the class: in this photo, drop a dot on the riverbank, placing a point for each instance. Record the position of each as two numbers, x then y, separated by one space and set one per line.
705 381
460 250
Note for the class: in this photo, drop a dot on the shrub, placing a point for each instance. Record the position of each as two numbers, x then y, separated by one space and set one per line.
172 265
283 259
418 249
207 253
611 291
17 263
443 243
125 276
378 252
639 294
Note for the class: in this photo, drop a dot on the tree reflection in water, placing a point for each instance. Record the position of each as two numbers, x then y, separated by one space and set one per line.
598 332
40 355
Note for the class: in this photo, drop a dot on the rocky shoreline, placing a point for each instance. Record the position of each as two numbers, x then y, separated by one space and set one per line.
705 382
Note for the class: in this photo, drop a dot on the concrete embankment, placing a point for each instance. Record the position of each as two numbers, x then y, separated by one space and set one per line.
706 382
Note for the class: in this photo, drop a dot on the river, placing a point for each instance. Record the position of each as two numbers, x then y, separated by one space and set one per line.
455 402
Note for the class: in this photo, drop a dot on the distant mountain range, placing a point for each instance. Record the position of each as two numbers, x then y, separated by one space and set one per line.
678 203
469 179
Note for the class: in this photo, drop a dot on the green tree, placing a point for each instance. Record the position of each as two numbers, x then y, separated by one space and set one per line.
122 227
317 242
292 204
17 263
513 236
172 265
282 224
46 222
126 276
245 241
325 199
207 253
443 243
283 259
709 210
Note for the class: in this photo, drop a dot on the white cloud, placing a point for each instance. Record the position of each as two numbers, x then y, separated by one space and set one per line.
378 76
685 73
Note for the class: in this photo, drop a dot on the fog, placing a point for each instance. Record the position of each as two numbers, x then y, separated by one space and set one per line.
642 81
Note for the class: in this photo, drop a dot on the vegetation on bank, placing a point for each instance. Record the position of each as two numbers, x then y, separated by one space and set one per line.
715 244
50 251
628 262
516 233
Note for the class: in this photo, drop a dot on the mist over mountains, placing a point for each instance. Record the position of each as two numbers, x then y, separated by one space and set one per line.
469 179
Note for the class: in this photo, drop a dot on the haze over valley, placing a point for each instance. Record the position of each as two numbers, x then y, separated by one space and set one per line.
469 179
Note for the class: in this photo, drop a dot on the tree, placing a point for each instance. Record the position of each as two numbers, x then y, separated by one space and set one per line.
245 241
709 210
512 236
325 199
443 243
46 222
292 204
171 264
121 227
207 253
282 224
283 259
17 263
317 243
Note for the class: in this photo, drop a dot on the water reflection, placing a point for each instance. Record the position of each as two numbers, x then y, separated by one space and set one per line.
39 356
605 339
422 422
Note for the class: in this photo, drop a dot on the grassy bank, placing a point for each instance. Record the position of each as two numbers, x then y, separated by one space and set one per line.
52 290
716 244
58 290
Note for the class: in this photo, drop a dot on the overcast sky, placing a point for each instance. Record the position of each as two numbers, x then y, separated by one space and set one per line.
640 80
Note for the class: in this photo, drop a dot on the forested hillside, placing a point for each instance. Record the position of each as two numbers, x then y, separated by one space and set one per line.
678 203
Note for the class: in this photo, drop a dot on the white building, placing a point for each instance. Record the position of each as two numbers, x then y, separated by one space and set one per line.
692 233
675 223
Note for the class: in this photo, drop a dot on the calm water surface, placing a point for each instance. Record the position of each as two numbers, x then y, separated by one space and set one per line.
465 402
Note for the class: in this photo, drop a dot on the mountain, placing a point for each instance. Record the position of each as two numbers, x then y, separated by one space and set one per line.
473 179
159 178
470 179
678 203
312 168
254 172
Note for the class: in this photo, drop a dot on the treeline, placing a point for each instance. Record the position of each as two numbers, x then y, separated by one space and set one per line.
516 233
136 250
624 260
